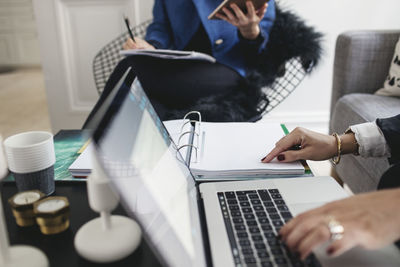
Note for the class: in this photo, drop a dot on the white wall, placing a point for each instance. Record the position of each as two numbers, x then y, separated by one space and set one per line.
309 104
18 37
71 32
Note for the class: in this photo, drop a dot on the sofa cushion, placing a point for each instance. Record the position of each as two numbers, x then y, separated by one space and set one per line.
391 87
362 174
359 108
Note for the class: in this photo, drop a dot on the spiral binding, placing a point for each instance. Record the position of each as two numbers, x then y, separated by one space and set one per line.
195 131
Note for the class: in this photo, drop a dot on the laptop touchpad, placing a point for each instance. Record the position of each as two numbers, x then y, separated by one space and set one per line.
310 190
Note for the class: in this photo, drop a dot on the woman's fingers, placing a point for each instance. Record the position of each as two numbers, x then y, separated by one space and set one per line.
129 44
223 17
248 24
239 13
231 18
261 11
251 12
294 154
353 235
302 229
312 239
290 155
282 145
271 155
338 247
313 215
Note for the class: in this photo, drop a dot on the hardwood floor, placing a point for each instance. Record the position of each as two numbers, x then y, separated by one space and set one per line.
23 104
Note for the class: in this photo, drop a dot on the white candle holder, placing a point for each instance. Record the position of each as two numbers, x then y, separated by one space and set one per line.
109 237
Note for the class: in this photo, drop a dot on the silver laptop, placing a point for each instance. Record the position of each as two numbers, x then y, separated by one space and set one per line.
218 224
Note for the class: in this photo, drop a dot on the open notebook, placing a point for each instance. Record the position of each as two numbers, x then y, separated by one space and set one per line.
230 150
219 151
169 54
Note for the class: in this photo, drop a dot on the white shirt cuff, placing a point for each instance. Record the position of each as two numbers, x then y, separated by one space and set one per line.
371 140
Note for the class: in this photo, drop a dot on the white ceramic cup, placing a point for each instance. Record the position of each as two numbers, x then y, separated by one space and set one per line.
31 159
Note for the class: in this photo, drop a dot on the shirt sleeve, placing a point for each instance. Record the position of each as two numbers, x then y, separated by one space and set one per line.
371 140
390 127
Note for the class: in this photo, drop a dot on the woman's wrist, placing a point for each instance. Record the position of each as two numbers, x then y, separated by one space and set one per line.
349 143
346 144
250 33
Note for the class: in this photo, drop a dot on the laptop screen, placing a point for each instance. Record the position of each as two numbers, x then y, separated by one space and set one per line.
155 185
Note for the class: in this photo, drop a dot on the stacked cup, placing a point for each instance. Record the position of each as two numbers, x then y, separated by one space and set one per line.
31 159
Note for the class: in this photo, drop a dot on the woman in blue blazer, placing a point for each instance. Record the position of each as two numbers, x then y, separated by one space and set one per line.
235 40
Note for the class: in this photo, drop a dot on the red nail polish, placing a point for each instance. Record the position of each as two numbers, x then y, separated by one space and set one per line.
281 157
263 158
330 251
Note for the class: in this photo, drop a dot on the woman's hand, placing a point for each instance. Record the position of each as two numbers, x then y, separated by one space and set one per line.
370 220
248 24
313 146
138 44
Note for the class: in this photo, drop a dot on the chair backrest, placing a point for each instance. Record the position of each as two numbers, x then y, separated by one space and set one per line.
108 57
284 85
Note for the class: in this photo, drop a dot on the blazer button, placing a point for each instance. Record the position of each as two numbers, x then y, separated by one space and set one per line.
219 41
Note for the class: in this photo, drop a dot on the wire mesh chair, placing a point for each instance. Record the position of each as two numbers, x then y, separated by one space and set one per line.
108 57
283 86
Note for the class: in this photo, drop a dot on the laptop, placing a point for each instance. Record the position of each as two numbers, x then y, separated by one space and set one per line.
211 224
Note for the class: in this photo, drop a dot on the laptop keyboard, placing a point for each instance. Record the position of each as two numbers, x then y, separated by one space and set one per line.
253 219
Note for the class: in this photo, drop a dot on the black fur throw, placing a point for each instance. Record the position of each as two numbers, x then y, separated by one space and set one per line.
290 37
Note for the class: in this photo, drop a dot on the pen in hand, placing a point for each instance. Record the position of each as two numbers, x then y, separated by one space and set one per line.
129 28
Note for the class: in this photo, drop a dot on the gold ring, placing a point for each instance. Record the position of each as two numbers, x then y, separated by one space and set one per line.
336 229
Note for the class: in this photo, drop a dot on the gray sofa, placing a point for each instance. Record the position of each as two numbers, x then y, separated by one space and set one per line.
362 61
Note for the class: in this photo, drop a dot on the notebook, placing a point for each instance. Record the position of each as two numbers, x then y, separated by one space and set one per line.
82 166
230 151
169 54
219 151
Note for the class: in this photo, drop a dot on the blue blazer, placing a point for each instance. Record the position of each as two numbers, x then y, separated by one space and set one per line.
176 21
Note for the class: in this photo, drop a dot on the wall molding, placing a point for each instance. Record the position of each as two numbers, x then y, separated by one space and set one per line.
72 48
71 32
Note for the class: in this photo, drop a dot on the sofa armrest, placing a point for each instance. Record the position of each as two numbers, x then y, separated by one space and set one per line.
362 60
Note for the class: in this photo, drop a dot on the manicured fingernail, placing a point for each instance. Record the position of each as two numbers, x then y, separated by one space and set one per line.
281 157
330 251
263 158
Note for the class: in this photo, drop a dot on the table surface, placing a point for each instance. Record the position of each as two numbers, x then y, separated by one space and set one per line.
60 248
